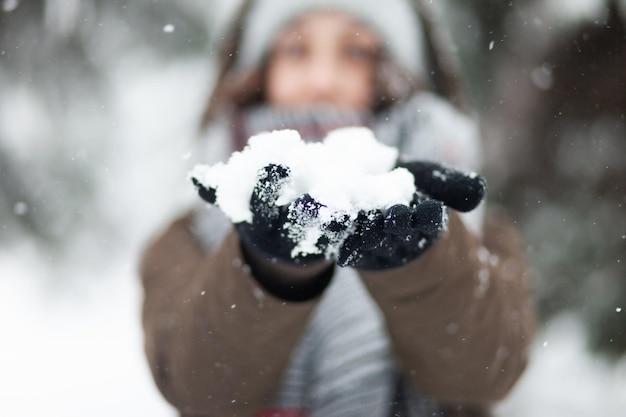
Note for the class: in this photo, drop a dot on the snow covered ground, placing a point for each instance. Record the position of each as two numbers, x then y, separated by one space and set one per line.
71 340
71 346
75 352
78 352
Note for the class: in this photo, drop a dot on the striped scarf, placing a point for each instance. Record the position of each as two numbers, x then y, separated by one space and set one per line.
312 123
343 365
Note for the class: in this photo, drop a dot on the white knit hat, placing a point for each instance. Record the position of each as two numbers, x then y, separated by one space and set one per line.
395 21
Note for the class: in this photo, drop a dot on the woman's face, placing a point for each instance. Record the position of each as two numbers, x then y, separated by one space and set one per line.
323 57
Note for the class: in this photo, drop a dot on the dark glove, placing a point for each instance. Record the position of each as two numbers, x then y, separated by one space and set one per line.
269 234
376 239
391 238
456 189
207 194
269 231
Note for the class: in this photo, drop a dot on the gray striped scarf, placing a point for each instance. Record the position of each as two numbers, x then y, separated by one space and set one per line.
343 365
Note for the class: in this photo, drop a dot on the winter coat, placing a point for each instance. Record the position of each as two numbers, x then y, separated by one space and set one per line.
454 325
448 332
459 319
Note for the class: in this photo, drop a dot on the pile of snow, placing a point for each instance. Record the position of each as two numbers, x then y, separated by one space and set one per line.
71 350
347 173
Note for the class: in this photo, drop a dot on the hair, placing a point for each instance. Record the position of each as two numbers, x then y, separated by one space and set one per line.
236 89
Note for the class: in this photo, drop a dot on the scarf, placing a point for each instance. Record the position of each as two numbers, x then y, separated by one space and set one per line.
313 123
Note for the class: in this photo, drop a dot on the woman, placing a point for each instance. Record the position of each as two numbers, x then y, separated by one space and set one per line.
231 331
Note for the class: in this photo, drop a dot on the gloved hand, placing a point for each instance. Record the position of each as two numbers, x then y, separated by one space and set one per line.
391 238
269 231
374 240
456 189
394 237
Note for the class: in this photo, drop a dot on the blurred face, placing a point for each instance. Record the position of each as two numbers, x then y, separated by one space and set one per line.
323 58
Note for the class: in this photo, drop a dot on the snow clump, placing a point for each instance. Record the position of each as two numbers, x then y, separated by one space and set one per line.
348 172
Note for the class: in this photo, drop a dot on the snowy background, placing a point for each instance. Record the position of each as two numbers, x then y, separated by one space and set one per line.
99 102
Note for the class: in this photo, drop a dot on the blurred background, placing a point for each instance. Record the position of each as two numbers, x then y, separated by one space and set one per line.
100 101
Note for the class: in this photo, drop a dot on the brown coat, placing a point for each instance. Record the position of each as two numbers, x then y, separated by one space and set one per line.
460 319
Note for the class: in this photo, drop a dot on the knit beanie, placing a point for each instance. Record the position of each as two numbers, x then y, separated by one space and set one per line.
395 21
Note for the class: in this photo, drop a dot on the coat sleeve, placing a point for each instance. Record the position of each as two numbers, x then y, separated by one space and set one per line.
461 316
217 343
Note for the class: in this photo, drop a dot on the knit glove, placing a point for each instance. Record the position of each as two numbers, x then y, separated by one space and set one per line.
271 231
398 235
377 239
459 190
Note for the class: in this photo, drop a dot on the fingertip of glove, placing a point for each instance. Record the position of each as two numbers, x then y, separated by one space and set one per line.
429 216
476 190
207 194
270 179
305 205
398 219
274 172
